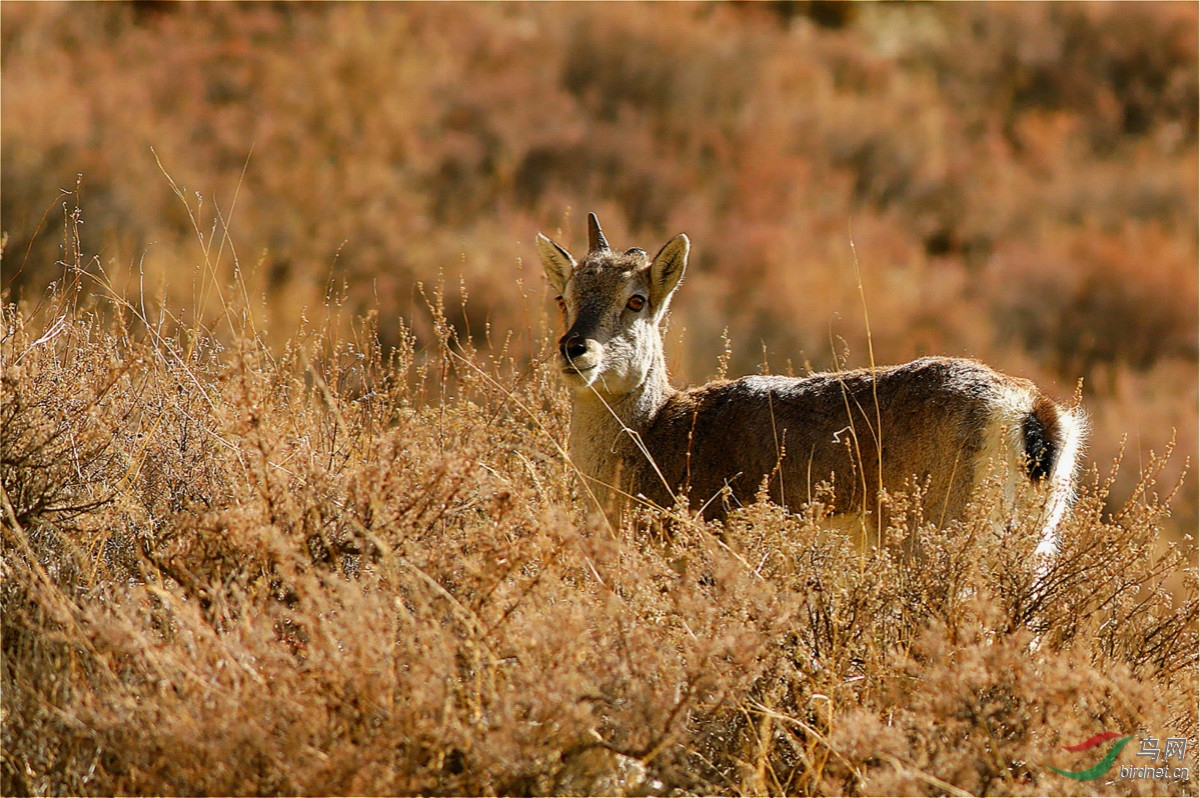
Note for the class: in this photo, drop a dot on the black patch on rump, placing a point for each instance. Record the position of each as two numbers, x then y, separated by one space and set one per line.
1042 435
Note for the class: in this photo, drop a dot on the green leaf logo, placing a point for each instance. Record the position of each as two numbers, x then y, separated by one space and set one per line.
1101 767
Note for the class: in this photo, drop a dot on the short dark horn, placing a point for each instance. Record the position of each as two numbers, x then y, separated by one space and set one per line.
596 240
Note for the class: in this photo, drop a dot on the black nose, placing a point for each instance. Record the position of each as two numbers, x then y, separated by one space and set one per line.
572 346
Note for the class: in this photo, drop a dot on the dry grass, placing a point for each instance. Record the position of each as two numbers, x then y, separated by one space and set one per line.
284 512
1019 180
331 571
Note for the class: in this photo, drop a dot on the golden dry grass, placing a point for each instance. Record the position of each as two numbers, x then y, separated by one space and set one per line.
1019 180
331 571
286 512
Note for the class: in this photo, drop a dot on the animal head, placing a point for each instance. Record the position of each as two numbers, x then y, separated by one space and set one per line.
612 303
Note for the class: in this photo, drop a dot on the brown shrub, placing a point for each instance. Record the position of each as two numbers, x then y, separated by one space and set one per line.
291 516
334 571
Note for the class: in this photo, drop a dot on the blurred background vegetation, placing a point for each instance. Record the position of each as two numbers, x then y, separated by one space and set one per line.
1016 182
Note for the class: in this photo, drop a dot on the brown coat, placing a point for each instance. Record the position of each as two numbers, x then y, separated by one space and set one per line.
802 432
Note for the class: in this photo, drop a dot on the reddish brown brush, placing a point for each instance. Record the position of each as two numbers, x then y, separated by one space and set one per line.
284 512
232 571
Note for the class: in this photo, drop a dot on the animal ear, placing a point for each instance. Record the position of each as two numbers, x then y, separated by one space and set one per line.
557 262
666 270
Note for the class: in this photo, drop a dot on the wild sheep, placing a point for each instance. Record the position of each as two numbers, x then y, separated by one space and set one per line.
940 423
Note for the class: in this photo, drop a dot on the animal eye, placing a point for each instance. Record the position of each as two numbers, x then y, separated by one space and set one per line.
561 304
636 303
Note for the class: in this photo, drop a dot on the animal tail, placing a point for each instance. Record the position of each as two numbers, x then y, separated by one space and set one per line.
1054 439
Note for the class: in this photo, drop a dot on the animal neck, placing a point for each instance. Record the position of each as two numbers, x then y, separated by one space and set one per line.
605 428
